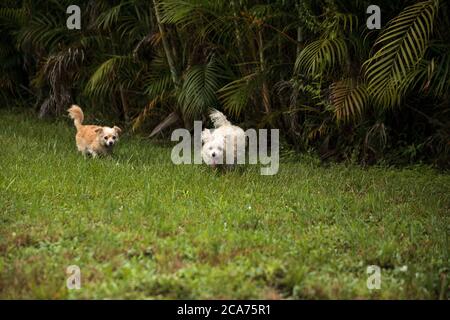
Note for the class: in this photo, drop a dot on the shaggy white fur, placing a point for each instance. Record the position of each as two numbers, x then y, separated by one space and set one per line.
223 145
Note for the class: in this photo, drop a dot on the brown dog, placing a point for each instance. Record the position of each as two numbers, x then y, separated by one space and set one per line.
93 140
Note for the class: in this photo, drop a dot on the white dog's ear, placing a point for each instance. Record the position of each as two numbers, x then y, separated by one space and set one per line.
99 130
206 135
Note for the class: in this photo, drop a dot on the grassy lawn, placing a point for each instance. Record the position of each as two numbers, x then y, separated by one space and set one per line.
140 227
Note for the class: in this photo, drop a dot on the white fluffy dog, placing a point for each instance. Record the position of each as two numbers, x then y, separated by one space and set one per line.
217 142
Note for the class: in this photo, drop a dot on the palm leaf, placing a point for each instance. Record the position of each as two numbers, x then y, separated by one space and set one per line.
236 95
13 17
158 79
190 12
348 99
168 121
43 32
199 88
139 120
321 55
401 48
438 74
107 19
104 79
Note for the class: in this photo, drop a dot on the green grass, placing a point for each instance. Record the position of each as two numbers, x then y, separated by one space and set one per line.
140 227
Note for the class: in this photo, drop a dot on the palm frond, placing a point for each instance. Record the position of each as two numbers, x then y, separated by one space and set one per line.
139 120
13 17
167 122
105 79
198 92
190 12
400 48
320 56
348 99
157 80
237 94
43 32
438 74
340 22
107 19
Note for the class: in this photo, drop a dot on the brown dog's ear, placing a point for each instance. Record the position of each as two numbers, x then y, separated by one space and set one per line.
98 130
118 130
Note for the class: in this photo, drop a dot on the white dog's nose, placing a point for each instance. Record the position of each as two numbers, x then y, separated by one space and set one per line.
213 154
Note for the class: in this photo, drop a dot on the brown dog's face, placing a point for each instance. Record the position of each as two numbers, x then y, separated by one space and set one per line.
108 136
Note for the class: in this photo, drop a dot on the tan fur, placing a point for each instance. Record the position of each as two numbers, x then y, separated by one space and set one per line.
93 140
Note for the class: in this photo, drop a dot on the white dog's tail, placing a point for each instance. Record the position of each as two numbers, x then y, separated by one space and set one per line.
219 119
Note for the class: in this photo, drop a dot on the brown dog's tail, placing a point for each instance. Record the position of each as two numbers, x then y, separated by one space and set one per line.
77 115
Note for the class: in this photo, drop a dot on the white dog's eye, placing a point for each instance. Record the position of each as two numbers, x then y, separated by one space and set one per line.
210 148
106 138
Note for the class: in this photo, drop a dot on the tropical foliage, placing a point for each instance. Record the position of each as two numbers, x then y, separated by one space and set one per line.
311 68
